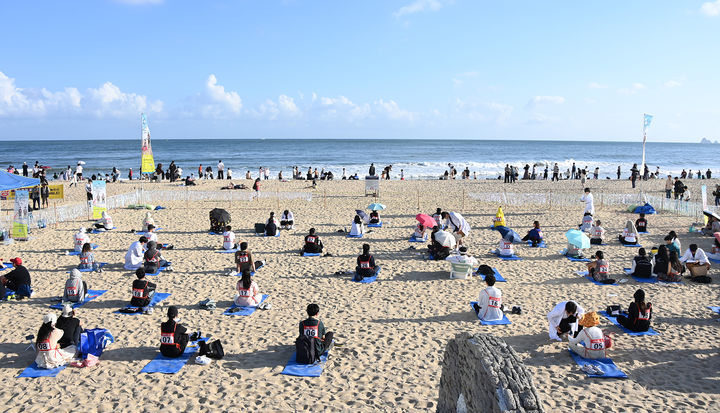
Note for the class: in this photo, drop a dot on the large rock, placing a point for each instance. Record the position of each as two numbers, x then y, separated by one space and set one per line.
482 373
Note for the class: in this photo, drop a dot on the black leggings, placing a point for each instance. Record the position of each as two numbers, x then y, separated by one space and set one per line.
630 325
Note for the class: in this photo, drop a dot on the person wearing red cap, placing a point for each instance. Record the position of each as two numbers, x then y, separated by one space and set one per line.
17 280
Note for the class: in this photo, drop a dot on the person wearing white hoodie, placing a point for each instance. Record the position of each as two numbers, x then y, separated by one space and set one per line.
134 256
75 288
80 239
457 225
490 306
563 318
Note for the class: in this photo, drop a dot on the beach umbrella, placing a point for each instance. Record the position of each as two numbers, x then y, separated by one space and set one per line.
508 234
362 215
376 206
426 220
578 238
443 238
711 214
81 163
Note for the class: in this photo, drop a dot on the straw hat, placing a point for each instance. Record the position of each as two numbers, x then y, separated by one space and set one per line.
590 319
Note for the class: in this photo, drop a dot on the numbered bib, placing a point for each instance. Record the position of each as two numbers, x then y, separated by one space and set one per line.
71 291
138 293
84 260
44 346
243 258
167 338
364 264
243 292
597 344
226 238
495 302
311 331
311 240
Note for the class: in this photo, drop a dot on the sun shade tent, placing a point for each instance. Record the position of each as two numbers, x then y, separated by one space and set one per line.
10 181
219 218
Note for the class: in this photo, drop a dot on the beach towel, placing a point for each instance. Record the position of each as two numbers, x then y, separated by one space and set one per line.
35 371
648 280
311 254
500 322
24 292
574 259
506 258
257 268
606 365
292 368
413 239
97 230
232 251
167 365
141 233
100 265
632 245
367 280
6 266
244 310
378 225
587 275
94 246
714 260
540 245
613 320
714 308
354 236
157 208
156 299
498 278
91 295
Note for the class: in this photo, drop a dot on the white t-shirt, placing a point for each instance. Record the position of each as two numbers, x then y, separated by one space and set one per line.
489 302
589 203
78 169
228 240
221 166
151 236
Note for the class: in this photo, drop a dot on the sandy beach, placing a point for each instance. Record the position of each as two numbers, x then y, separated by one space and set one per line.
391 333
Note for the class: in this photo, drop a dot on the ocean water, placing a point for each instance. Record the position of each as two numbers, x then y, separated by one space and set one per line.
420 159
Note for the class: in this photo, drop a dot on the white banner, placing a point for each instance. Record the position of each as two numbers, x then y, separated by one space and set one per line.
99 201
21 217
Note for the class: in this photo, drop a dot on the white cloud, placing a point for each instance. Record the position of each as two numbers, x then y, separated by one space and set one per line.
635 88
419 6
556 100
106 101
217 103
270 109
393 111
711 8
139 2
673 83
594 85
483 111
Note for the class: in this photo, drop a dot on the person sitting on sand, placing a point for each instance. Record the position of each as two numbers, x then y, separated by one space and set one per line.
590 342
173 335
374 217
135 254
313 244
563 318
490 305
629 234
153 259
573 251
695 261
673 243
148 220
505 248
142 291
79 239
189 181
287 219
17 280
313 328
586 223
49 353
713 226
229 239
75 288
437 216
641 223
271 227
715 250
87 259
365 264
244 259
638 315
597 233
441 242
105 222
535 235
419 231
642 266
357 228
248 293
70 341
598 269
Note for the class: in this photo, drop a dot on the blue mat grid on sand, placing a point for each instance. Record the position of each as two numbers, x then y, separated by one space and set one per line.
158 297
591 279
540 245
311 254
613 320
97 230
378 225
232 251
413 239
649 280
606 365
292 368
100 265
34 371
354 236
91 295
167 365
244 311
367 280
502 321
498 277
504 258
94 246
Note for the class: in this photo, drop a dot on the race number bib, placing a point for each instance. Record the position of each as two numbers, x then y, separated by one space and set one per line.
167 338
495 302
243 292
311 240
138 293
243 258
43 346
364 264
597 344
311 331
71 291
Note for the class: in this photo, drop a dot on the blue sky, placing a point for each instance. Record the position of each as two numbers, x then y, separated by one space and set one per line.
379 69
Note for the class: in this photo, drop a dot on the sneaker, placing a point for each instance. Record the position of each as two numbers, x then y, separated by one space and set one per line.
588 368
169 269
202 360
147 310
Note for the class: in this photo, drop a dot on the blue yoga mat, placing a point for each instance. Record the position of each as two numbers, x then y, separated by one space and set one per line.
215 233
714 260
504 258
575 259
156 299
100 265
413 239
378 225
244 310
540 245
97 230
367 280
311 254
94 246
141 233
613 320
160 269
292 368
35 371
606 365
6 266
354 236
276 235
632 245
648 280
157 208
592 280
498 277
252 273
162 364
714 308
91 295
502 321
232 251
643 232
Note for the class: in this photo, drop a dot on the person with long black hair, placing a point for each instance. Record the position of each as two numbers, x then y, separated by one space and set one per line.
248 292
49 353
639 314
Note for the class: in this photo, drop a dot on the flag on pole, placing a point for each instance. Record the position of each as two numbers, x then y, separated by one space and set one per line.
646 121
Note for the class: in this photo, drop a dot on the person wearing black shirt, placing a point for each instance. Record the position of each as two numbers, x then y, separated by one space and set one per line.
639 314
315 329
641 224
173 335
371 171
17 280
365 264
642 265
70 327
142 290
313 244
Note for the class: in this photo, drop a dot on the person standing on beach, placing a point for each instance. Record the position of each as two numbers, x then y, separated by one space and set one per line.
25 169
573 172
634 172
589 202
669 187
618 172
507 173
371 171
221 169
556 173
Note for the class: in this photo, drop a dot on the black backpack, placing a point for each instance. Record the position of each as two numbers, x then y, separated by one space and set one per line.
213 350
305 350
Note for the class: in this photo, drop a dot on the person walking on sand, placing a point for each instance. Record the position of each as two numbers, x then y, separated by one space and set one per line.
589 202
